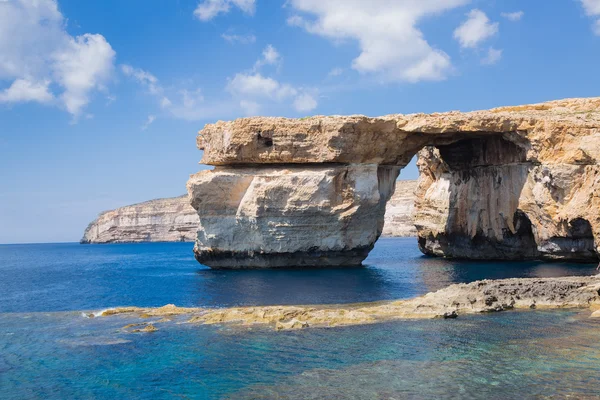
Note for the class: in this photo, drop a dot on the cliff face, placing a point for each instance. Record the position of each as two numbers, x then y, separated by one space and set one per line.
174 220
162 220
399 219
507 183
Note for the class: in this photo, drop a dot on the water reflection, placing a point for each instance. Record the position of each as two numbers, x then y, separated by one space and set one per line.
295 286
437 273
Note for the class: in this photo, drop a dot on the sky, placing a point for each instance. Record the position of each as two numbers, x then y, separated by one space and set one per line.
101 100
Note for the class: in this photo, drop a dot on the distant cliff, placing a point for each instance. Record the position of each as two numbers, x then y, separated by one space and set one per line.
160 220
174 220
399 211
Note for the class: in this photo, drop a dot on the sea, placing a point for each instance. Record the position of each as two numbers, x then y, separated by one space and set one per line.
51 349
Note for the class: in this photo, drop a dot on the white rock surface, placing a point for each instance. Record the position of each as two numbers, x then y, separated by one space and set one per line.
161 220
174 219
308 215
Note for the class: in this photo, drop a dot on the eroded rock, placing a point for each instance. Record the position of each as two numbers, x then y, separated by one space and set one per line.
174 220
314 215
508 183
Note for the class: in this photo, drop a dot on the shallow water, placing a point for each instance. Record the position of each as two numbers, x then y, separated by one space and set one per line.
47 351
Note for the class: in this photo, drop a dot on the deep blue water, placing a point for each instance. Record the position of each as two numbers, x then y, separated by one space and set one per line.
61 277
49 350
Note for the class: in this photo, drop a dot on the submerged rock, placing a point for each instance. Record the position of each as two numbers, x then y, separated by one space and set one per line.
508 183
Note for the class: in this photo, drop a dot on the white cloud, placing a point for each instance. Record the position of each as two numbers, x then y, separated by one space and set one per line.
592 9
253 89
208 9
255 85
270 56
513 16
35 48
248 92
145 78
23 90
149 121
243 39
85 64
184 104
391 45
492 57
475 29
305 102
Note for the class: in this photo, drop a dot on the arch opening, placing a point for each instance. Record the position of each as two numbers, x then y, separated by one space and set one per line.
466 203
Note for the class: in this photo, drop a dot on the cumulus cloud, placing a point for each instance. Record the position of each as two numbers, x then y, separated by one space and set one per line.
513 16
391 45
492 57
270 56
476 29
592 9
23 90
247 92
253 89
81 66
38 55
256 85
209 9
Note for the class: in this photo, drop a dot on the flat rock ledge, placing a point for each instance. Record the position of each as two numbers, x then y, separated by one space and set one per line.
451 302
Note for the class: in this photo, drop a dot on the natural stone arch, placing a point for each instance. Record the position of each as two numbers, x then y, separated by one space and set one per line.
312 192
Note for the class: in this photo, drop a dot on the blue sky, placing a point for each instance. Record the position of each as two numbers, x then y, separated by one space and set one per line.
100 101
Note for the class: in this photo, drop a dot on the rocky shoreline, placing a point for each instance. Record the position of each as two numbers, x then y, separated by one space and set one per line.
451 302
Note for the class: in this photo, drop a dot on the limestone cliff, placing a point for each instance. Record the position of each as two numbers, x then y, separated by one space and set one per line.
399 211
161 220
174 220
507 183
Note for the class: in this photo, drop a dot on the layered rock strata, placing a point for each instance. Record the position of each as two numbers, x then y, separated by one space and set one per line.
174 220
507 183
399 221
292 215
161 220
459 299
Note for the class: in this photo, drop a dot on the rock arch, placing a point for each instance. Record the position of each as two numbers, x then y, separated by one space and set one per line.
508 183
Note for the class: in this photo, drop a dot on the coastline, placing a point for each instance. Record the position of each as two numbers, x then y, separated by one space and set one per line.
455 300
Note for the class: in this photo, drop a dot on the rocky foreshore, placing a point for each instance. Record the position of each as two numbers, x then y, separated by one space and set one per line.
174 220
451 302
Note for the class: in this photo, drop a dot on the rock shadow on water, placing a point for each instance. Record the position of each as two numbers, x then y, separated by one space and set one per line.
286 286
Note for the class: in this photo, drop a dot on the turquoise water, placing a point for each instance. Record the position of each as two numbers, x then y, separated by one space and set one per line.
49 350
